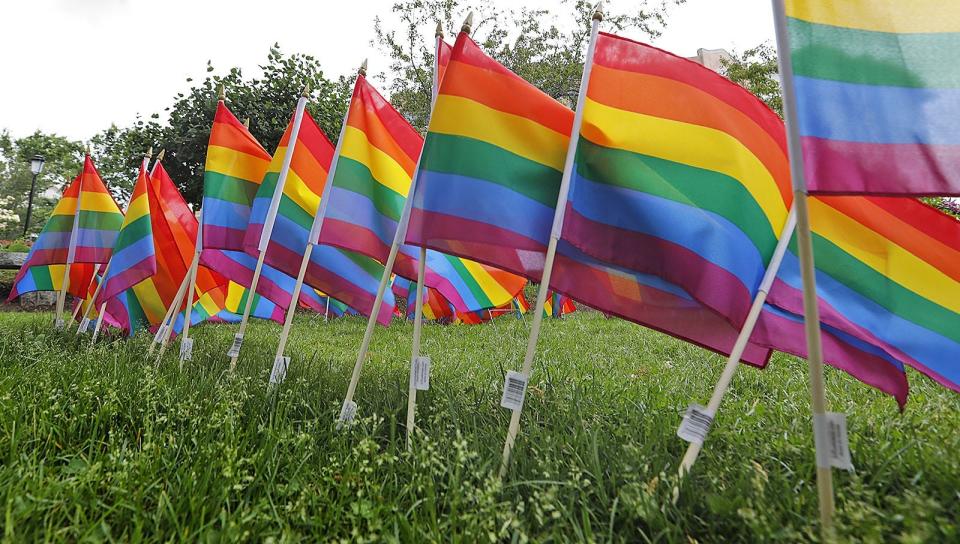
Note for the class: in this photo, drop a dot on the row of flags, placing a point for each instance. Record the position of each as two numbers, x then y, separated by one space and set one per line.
667 198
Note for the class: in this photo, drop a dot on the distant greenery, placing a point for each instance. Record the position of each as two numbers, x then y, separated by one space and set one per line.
98 445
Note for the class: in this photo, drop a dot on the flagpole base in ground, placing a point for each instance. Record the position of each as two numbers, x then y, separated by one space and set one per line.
415 351
280 363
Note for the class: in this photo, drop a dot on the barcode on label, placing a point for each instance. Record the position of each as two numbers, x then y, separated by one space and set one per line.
420 373
84 325
695 425
833 447
161 333
514 389
234 350
348 412
186 349
279 372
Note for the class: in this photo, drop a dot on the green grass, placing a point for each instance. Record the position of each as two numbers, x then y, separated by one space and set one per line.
97 445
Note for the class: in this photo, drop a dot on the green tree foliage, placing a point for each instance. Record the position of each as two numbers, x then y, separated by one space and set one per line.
756 71
62 163
544 49
268 101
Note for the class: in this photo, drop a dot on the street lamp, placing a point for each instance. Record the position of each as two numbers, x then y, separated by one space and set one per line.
36 166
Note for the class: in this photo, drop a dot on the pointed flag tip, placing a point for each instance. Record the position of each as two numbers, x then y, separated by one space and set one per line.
439 32
467 24
598 11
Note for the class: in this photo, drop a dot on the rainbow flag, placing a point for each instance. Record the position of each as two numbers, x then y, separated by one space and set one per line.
92 229
134 255
207 306
49 277
435 306
368 194
274 286
487 189
344 275
888 280
262 307
700 205
558 305
444 51
235 166
878 95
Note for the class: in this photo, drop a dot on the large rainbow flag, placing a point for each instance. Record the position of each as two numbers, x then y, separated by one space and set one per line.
86 216
702 203
367 197
347 276
878 94
888 280
487 189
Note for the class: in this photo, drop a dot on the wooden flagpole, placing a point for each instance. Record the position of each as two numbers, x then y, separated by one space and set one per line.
733 361
280 362
348 409
188 315
165 333
554 238
267 231
811 310
421 265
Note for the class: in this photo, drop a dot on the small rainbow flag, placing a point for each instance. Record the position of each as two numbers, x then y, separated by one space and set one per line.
134 255
49 277
878 95
558 305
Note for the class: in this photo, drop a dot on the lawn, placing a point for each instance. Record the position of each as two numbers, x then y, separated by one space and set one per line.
97 444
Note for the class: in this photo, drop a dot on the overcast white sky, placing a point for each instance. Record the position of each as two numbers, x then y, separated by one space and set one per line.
73 67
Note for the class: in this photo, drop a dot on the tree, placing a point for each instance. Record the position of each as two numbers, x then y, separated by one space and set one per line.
268 102
756 70
62 163
541 52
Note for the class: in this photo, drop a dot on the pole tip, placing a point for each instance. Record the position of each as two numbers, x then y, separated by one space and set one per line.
87 150
439 32
598 11
222 93
306 91
467 24
246 123
160 154
149 153
363 68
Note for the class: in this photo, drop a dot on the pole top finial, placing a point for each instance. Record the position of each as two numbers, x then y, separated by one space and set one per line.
439 32
306 91
160 154
467 24
87 150
598 11
222 93
246 123
363 68
149 153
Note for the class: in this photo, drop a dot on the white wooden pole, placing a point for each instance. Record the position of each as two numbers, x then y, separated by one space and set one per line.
280 363
166 333
554 236
740 345
96 293
167 317
326 310
415 351
267 231
197 250
811 310
96 329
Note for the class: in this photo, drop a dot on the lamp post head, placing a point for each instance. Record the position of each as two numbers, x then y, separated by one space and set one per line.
36 164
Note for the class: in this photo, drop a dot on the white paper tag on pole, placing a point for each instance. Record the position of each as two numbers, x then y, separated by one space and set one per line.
695 425
421 373
832 445
234 350
279 372
186 349
347 412
161 333
84 325
514 389
58 323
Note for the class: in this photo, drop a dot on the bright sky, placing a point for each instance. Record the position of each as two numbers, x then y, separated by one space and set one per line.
73 67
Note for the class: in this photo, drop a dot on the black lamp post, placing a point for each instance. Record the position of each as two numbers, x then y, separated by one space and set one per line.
36 166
